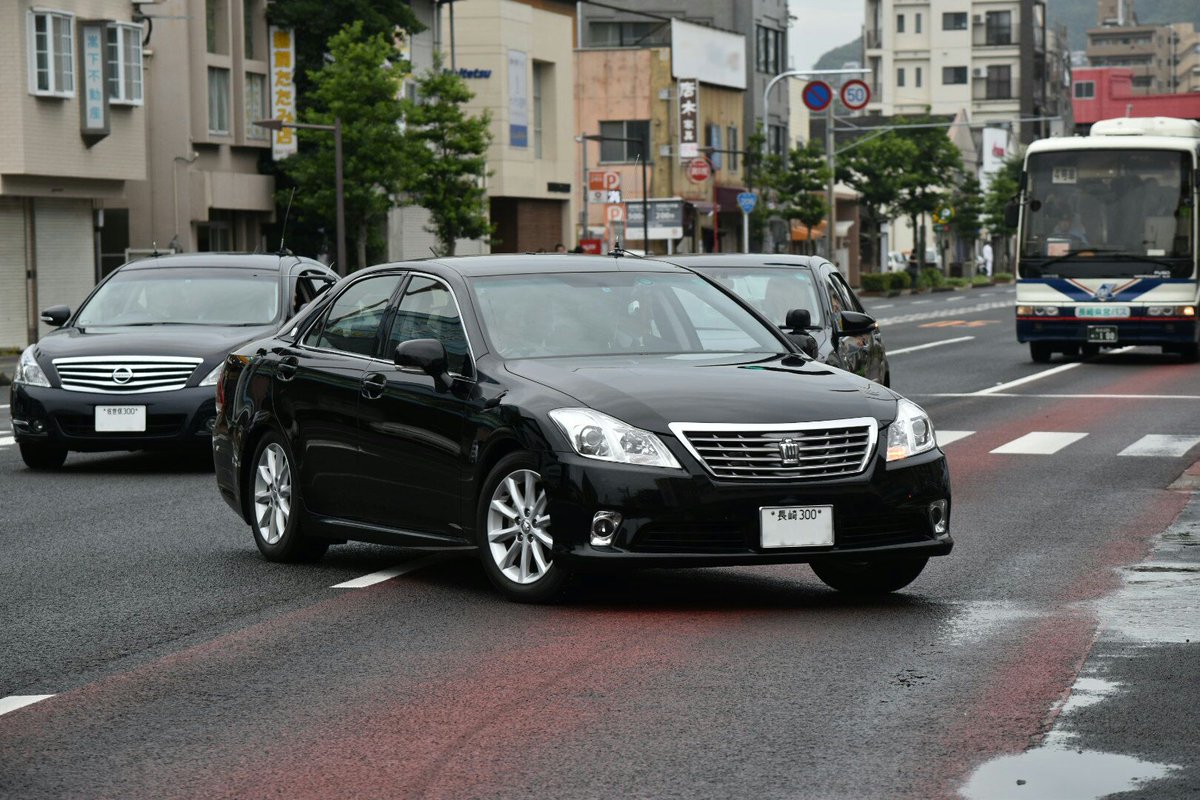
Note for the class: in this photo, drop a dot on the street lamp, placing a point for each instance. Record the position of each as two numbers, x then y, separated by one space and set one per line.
339 188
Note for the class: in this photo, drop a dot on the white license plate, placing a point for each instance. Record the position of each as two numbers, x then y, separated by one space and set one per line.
796 526
1102 312
120 419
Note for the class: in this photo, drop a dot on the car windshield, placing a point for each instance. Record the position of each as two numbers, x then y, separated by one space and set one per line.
605 313
184 296
1123 211
773 291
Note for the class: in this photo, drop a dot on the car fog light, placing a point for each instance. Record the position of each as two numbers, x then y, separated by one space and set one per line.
938 517
210 423
38 426
604 527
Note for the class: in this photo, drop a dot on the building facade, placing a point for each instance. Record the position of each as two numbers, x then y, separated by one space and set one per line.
72 119
996 61
1105 93
1163 58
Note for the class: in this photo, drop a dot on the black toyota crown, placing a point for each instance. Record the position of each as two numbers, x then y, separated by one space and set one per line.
134 367
557 413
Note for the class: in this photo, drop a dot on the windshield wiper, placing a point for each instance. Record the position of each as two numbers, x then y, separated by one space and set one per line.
1106 253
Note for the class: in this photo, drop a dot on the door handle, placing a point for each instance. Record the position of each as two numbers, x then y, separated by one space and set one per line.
373 384
286 370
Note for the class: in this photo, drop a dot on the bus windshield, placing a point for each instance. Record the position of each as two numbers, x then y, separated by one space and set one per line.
1108 213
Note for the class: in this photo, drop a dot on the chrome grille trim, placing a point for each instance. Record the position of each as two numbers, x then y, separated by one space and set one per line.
149 373
826 449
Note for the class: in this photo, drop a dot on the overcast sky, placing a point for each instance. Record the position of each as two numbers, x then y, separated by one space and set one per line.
821 26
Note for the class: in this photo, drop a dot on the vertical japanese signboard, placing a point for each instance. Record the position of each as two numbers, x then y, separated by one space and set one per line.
94 95
689 118
283 90
518 99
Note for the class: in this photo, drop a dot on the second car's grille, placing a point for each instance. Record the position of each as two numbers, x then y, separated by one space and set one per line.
802 451
125 374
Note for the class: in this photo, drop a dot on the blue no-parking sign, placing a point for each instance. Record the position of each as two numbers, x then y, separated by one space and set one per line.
746 201
817 95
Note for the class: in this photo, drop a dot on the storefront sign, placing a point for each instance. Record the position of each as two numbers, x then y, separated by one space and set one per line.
518 99
689 118
666 218
94 95
283 90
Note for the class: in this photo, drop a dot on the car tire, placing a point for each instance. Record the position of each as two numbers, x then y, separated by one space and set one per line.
43 456
1190 353
1089 350
869 577
1040 352
275 505
514 539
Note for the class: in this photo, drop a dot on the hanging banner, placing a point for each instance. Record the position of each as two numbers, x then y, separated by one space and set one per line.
283 90
518 99
94 92
689 118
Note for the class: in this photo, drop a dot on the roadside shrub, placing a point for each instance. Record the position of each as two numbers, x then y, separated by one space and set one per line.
932 276
1004 277
898 281
981 280
957 283
874 282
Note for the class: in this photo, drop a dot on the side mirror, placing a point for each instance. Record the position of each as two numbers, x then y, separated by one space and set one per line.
798 319
856 324
56 316
1012 214
424 355
806 342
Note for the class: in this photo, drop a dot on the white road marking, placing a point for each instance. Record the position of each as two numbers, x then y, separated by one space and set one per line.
952 311
946 437
5 441
929 345
388 574
1039 443
954 299
921 302
1037 376
1159 445
1062 396
883 305
4 407
15 701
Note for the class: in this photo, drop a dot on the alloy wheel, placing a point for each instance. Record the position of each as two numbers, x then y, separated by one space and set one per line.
272 493
518 528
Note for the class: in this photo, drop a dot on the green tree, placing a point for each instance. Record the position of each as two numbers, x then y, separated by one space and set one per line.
1003 188
933 171
799 181
876 168
754 169
450 159
359 85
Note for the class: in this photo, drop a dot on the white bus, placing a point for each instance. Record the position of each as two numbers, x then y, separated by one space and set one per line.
1107 240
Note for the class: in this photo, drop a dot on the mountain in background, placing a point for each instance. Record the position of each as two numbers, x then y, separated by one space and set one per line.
1076 15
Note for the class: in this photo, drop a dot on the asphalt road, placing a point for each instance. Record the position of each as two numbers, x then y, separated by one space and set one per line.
1057 642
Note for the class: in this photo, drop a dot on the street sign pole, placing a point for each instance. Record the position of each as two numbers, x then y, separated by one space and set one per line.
745 232
746 202
829 198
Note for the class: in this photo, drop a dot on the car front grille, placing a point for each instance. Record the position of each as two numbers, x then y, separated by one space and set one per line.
807 451
125 374
728 536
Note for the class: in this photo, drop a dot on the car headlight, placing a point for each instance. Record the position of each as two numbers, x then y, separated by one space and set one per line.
911 433
599 436
211 378
28 371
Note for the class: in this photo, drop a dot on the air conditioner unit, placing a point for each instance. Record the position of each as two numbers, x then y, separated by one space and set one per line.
979 72
977 19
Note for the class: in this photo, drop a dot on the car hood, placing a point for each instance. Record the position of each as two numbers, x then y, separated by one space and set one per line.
209 342
651 392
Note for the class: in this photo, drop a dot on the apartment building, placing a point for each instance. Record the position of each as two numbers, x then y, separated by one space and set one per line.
996 61
72 119
1164 58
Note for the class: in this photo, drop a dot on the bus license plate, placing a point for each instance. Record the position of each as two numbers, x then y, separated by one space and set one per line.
796 526
1102 334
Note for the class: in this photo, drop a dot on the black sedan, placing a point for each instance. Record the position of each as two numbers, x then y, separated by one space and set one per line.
134 368
837 331
558 413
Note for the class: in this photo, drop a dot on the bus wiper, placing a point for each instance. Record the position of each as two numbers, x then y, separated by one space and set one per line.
1084 252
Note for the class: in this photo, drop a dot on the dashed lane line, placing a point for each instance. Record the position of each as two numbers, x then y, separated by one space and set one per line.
921 302
5 441
15 701
1039 443
1155 444
392 572
914 348
1037 376
953 311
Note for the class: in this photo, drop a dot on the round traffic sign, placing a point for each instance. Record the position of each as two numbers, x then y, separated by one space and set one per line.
817 95
699 170
855 94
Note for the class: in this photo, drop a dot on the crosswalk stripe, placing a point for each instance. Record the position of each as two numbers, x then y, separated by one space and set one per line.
1041 443
1156 444
15 701
946 437
7 440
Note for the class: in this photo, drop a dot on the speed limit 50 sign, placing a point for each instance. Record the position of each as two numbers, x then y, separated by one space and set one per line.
855 94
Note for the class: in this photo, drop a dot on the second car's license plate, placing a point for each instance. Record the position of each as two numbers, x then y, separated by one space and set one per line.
1102 333
120 419
796 526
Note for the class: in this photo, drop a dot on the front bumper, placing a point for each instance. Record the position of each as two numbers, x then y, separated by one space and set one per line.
1137 329
672 518
181 418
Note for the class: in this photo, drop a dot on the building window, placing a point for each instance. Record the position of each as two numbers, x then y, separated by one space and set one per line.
900 76
52 54
768 50
952 75
712 139
256 105
954 21
999 82
125 63
250 17
916 23
776 137
899 23
918 77
999 27
1085 90
216 26
218 100
623 152
539 70
628 34
732 145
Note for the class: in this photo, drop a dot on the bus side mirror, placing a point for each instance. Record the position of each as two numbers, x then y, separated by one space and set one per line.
1012 214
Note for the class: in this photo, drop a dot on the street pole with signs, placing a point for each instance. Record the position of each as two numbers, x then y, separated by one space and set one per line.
594 137
746 201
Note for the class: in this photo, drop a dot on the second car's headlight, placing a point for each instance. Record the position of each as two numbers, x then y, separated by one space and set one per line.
28 371
599 436
911 433
211 378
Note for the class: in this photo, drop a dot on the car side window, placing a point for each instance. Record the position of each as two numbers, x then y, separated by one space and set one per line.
848 298
354 320
836 304
428 311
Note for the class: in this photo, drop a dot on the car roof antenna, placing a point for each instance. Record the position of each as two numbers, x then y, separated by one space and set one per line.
283 251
